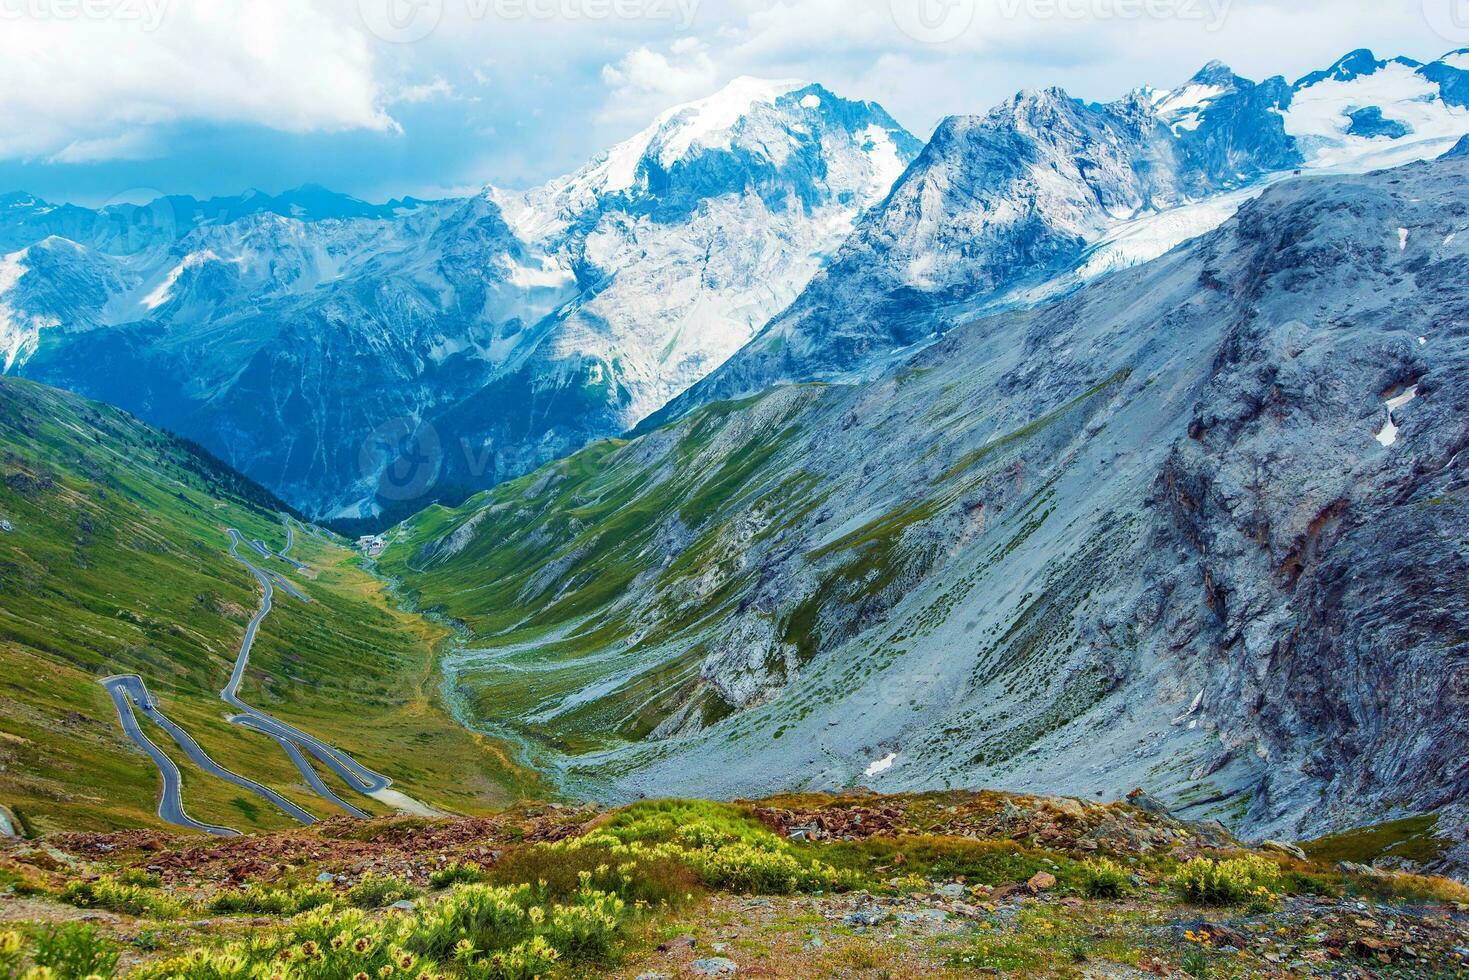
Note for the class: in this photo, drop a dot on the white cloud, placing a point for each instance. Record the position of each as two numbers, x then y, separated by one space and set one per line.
134 144
554 91
80 88
1096 49
645 81
439 88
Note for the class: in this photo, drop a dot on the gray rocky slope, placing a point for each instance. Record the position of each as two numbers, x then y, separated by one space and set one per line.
1183 529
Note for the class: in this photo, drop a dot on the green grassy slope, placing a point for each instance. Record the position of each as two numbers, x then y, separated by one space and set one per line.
118 563
550 562
598 586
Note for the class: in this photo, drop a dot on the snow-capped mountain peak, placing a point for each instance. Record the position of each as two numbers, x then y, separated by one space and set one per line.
1356 64
1046 191
685 239
750 132
1181 109
707 123
1365 114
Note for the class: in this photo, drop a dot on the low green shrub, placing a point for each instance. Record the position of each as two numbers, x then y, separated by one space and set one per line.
478 932
496 919
139 877
645 879
21 881
1232 881
129 899
11 946
73 952
1400 886
258 899
587 929
458 873
929 857
529 960
376 891
1105 878
721 846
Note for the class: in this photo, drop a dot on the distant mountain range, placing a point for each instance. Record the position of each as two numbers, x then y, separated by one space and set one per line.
1046 192
307 337
1084 448
361 360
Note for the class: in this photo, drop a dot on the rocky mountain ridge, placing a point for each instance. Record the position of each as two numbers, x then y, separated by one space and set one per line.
1047 192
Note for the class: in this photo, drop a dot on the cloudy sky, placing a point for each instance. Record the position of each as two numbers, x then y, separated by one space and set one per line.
117 99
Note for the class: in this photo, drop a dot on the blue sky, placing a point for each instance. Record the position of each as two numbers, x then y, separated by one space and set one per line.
120 99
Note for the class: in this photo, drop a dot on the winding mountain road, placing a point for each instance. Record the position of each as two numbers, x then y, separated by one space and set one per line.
170 804
358 776
285 553
129 691
308 772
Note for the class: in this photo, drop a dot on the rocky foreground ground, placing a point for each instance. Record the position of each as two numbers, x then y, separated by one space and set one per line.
953 884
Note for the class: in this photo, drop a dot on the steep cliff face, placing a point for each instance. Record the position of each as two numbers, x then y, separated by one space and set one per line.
1156 533
1334 572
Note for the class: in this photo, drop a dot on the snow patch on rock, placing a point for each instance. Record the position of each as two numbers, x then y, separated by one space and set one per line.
164 292
1389 434
19 331
1183 108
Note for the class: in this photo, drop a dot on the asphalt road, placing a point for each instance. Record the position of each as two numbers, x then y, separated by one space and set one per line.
284 553
171 803
303 765
358 776
129 690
